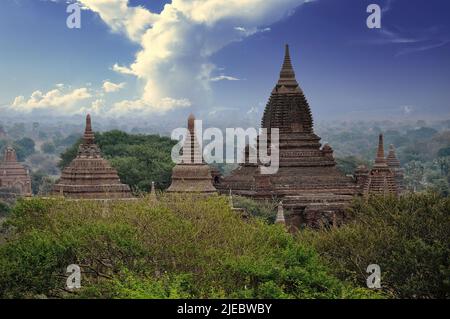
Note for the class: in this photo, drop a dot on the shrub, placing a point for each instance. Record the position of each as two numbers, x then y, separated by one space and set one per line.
409 238
178 247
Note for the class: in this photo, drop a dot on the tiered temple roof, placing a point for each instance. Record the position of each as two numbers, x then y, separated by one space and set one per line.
381 179
308 182
394 165
89 175
192 174
14 175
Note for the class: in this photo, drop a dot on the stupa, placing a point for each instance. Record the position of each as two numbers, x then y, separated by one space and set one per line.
89 175
13 175
192 174
394 165
312 189
381 179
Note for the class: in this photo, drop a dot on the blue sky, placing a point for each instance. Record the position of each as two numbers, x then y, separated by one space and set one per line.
218 59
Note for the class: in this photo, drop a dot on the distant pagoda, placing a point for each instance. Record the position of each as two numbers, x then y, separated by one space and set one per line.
89 175
381 179
13 175
394 165
308 182
192 174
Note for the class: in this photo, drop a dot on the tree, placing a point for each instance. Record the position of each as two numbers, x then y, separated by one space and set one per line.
444 152
181 247
48 148
408 237
139 159
24 148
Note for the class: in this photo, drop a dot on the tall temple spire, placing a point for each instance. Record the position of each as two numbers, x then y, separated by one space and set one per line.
192 174
192 152
88 133
287 74
380 160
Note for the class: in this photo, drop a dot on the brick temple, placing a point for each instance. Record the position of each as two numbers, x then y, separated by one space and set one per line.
394 165
13 175
89 175
313 190
192 174
381 180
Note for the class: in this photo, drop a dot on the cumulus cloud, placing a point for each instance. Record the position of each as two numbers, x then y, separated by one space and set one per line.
133 21
57 100
109 87
141 106
177 44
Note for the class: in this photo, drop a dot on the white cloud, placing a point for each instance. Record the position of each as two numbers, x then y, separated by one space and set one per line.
407 109
224 77
177 44
133 21
142 106
109 87
57 100
251 31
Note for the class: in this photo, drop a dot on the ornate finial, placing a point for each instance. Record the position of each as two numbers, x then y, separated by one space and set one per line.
280 215
287 74
88 133
380 159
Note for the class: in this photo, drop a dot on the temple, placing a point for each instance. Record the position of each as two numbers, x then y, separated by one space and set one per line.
89 175
13 175
312 189
394 165
381 178
192 174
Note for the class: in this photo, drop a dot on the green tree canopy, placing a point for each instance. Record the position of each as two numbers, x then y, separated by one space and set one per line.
178 247
139 159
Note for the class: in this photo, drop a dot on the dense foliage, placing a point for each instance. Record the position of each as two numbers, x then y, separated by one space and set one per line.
176 247
409 238
139 159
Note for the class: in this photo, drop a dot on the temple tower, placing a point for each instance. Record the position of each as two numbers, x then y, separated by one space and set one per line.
13 175
89 175
381 179
307 181
394 165
192 174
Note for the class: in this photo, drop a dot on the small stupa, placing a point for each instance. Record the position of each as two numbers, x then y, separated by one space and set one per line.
89 175
394 165
280 215
192 174
381 179
14 175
